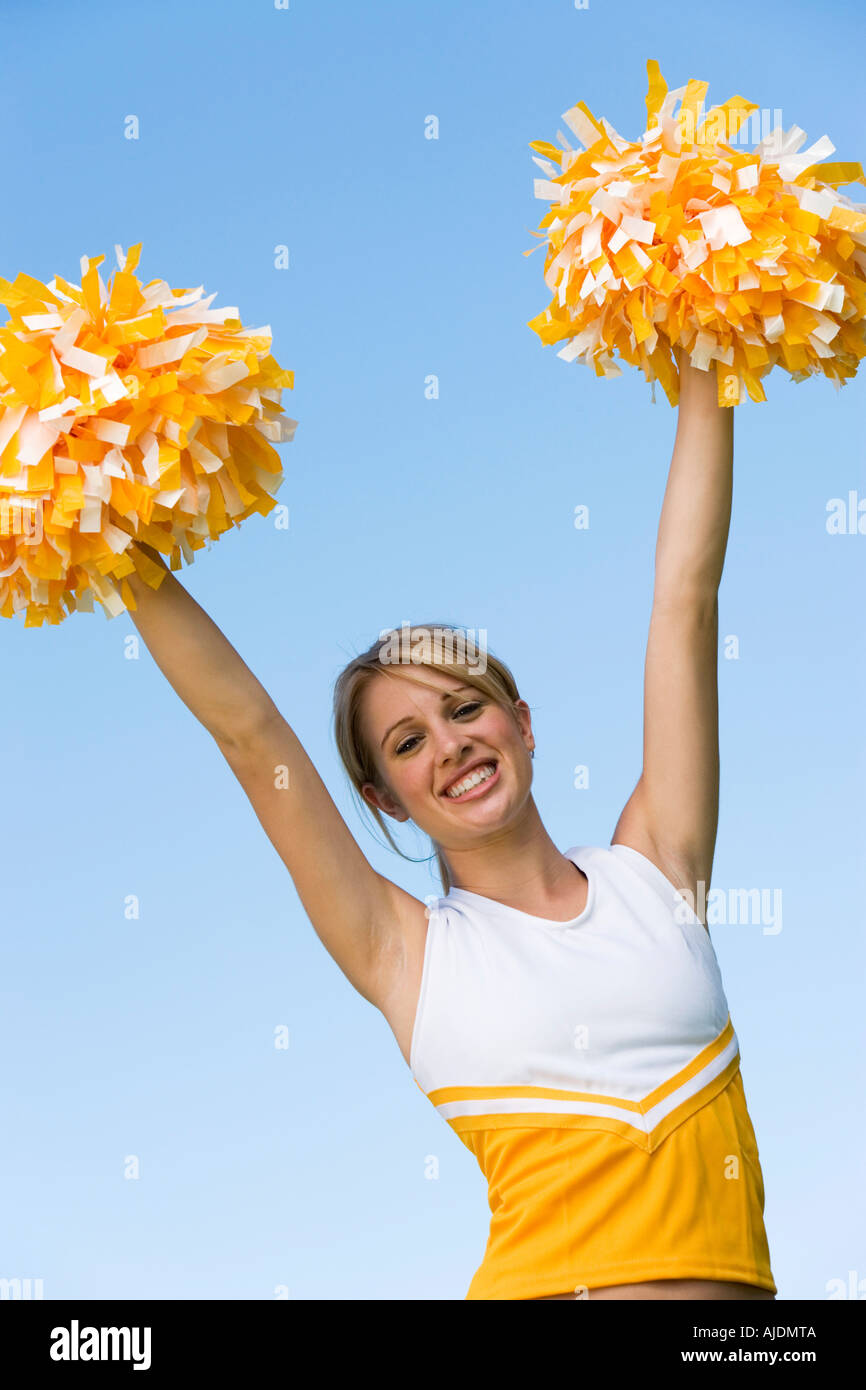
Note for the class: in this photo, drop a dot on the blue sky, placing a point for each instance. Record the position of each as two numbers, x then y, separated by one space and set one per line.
304 1169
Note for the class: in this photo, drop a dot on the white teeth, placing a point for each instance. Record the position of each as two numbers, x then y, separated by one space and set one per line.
480 774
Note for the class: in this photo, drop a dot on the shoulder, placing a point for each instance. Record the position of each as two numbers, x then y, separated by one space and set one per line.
667 875
670 866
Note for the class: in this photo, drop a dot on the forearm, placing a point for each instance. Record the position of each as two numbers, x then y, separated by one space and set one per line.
696 512
196 658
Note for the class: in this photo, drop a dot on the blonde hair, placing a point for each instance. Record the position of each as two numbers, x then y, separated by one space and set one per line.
495 681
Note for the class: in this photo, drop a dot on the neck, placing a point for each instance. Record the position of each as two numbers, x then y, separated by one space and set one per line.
518 865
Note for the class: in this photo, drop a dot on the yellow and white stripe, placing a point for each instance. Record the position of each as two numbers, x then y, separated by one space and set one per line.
645 1122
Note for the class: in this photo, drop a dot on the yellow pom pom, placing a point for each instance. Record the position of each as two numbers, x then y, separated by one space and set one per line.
127 414
743 259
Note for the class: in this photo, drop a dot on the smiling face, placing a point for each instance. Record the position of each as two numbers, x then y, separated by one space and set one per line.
428 732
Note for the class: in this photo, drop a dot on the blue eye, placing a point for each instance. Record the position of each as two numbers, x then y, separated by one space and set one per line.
471 705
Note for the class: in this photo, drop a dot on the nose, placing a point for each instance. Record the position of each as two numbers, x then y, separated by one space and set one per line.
451 745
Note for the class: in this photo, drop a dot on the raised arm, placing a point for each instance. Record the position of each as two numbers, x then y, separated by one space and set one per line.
672 815
350 905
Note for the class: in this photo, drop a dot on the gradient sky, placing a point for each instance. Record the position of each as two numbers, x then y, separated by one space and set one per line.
303 1170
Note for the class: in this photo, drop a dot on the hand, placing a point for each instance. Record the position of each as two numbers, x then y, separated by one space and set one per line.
144 591
697 387
152 554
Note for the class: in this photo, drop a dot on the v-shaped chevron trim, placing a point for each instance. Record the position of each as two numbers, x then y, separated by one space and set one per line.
645 1122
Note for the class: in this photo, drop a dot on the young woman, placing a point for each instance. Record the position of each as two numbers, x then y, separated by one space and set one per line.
563 1011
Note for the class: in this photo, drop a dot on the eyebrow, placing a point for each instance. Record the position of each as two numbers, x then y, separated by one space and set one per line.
407 718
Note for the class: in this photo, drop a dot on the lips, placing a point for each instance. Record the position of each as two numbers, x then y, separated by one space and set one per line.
467 770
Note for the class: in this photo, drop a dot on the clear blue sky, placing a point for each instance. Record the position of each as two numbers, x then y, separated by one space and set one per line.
305 1168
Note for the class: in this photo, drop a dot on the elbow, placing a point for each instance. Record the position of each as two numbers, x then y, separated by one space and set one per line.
696 596
245 729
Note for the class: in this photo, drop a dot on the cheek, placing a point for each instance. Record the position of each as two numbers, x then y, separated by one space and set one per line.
503 733
413 780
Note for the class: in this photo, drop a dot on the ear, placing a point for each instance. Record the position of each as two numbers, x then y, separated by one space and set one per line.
524 723
383 801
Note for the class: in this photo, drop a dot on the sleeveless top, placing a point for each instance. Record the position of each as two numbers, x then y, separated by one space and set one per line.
593 1070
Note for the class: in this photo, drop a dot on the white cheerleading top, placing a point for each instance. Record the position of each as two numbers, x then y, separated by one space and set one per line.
593 1069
